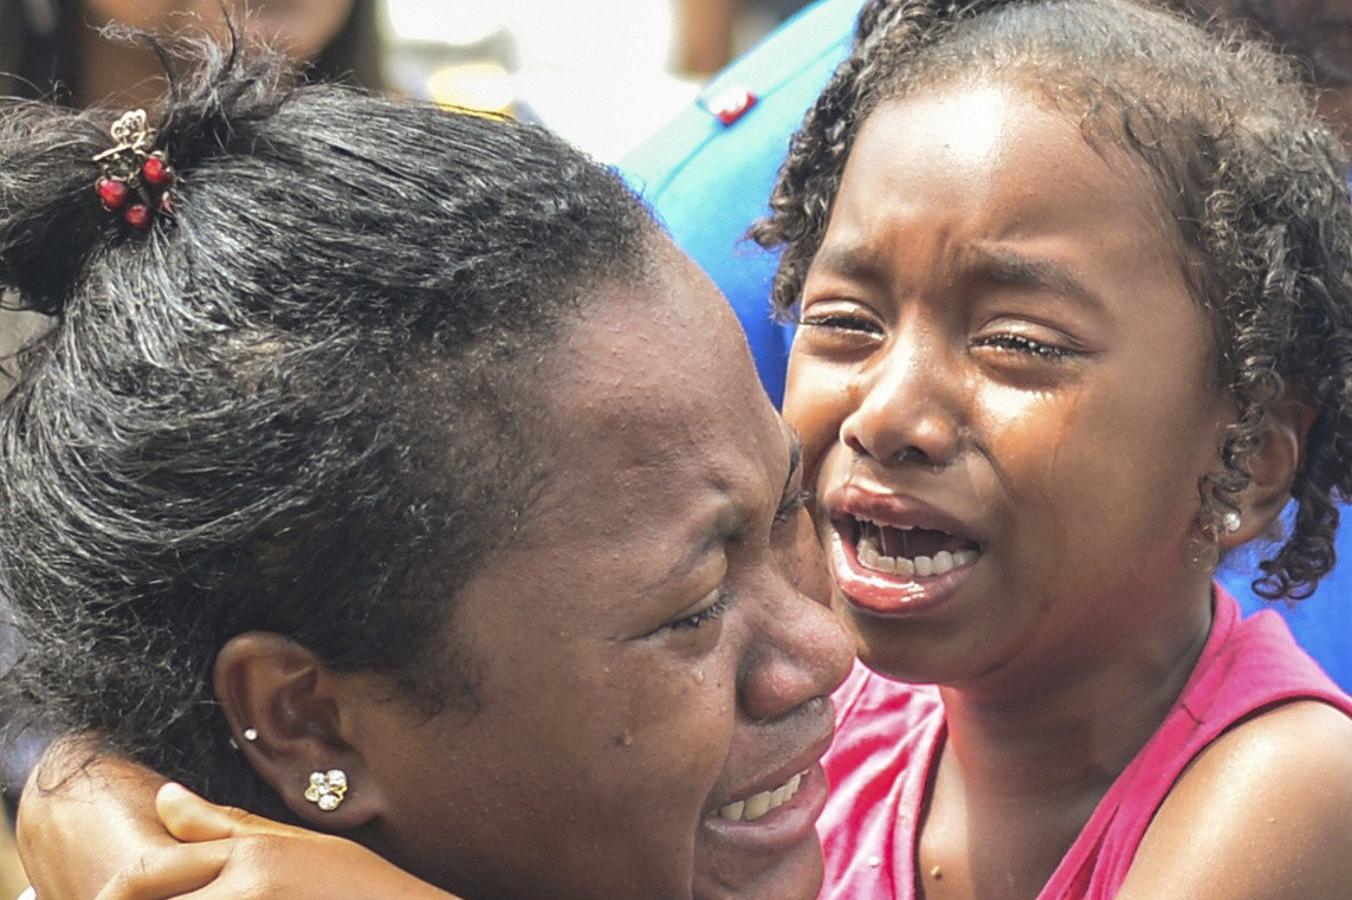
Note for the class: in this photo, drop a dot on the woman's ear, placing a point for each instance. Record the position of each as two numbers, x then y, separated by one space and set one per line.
1273 468
291 718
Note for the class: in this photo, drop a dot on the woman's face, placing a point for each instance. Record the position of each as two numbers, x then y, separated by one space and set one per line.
1003 388
301 28
643 652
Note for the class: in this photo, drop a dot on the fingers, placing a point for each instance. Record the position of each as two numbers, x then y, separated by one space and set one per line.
171 872
190 818
81 814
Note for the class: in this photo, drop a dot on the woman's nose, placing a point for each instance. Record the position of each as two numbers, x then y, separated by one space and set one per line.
801 652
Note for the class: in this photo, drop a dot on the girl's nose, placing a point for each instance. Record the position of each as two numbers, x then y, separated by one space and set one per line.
904 411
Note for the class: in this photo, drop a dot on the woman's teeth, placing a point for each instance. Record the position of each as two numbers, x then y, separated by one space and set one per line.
870 554
757 805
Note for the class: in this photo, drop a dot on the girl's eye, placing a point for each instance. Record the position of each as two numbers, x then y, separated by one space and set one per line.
838 322
1020 344
717 605
838 329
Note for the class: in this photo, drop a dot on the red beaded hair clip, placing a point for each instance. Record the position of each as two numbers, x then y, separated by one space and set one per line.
135 179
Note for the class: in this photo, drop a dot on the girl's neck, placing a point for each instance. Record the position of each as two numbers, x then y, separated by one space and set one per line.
1069 731
115 74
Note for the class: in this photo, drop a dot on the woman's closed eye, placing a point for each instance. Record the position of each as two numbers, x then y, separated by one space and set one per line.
709 609
794 503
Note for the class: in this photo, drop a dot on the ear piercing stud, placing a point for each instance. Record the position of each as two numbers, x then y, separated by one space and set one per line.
1231 522
327 789
250 735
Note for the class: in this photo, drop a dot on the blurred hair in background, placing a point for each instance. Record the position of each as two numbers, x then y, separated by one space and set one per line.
53 48
714 32
1318 32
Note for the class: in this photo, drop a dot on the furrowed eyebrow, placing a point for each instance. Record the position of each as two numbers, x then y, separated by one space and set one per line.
851 263
790 502
1008 267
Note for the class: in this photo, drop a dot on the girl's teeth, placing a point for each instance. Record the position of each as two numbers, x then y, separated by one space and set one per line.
758 805
940 563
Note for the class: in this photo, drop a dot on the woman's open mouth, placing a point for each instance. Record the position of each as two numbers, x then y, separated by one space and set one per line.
776 811
757 805
775 820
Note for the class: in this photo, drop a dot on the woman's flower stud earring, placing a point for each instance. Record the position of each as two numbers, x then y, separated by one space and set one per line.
1231 522
327 789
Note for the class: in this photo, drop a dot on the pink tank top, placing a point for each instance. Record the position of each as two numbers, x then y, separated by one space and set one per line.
889 735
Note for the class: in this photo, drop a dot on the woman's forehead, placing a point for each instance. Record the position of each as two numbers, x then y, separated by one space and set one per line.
647 390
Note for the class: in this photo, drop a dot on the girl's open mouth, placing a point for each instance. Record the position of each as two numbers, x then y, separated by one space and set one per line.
898 570
911 552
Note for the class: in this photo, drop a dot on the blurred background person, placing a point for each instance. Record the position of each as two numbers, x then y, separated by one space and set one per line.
54 48
1318 32
712 32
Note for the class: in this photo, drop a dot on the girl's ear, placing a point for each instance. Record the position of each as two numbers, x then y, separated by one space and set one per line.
1273 467
291 717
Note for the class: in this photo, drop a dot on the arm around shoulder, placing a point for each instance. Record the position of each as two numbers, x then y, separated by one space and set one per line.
85 816
1264 812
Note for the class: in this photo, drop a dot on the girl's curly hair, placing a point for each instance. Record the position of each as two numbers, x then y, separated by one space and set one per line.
1253 183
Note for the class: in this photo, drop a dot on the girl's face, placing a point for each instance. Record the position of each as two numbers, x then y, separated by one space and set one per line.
1005 396
644 652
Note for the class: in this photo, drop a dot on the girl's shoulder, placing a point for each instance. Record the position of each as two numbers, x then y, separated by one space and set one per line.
1263 807
1264 811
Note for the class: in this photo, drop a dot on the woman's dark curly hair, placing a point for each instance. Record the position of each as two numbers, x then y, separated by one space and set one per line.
1254 184
299 404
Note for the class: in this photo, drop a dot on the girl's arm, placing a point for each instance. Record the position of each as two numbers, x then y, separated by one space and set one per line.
229 853
94 827
1265 812
84 817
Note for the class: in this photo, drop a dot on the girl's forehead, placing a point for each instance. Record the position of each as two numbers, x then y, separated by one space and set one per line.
998 149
